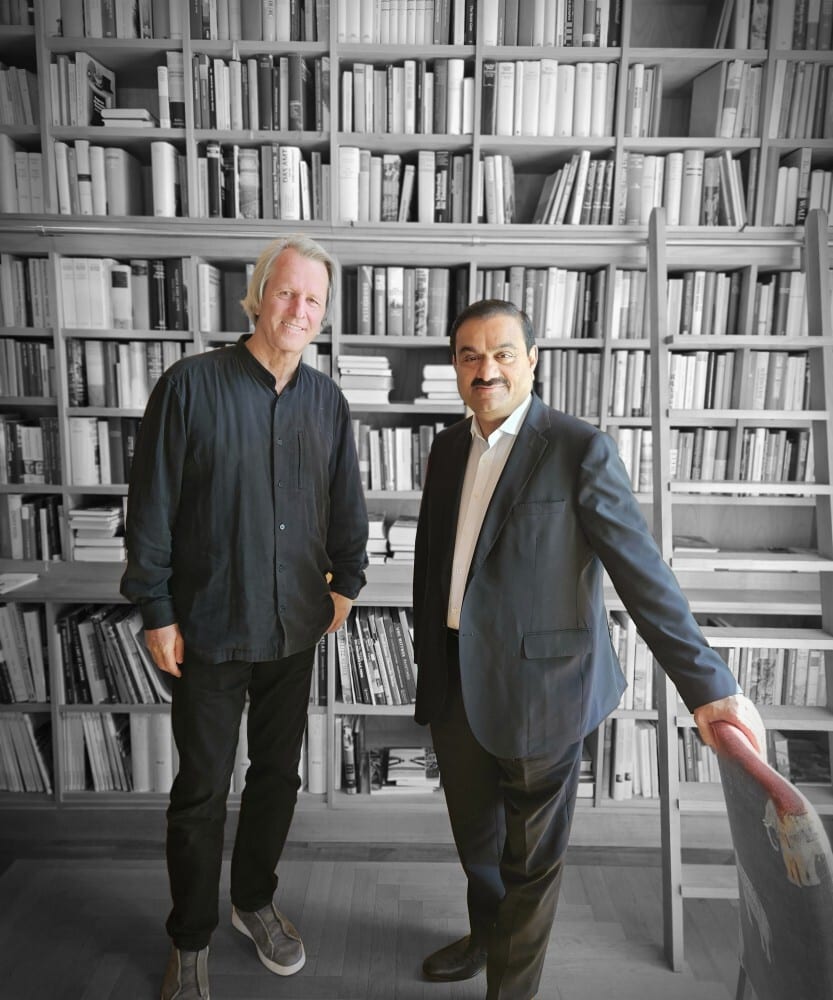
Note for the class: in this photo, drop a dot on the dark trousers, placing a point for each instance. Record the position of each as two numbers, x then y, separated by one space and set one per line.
206 710
511 822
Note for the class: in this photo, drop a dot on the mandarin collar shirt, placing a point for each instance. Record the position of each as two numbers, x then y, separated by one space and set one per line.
487 458
241 501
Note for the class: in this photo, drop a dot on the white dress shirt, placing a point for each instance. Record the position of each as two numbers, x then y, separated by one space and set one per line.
487 458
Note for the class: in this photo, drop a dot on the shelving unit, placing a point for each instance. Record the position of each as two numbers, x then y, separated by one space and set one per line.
753 579
653 34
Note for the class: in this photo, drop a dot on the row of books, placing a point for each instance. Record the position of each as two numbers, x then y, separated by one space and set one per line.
397 22
559 301
541 22
104 659
31 527
101 293
116 19
763 454
779 676
101 449
701 380
631 753
21 178
261 20
219 293
694 189
375 658
726 101
96 180
802 100
579 192
695 761
382 188
803 758
392 459
116 373
531 97
25 753
799 189
27 368
775 380
569 381
23 672
80 87
629 387
384 770
414 97
643 100
265 92
18 96
274 181
395 301
636 450
25 298
636 660
802 24
30 451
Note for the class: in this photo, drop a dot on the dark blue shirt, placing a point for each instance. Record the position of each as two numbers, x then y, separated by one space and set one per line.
241 501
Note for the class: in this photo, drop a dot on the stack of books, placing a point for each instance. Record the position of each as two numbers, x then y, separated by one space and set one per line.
128 118
365 380
407 770
97 534
439 384
402 538
377 541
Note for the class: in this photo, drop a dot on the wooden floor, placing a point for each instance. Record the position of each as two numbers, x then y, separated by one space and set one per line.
91 928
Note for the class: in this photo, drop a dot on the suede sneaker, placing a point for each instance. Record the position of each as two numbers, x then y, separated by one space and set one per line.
186 975
278 944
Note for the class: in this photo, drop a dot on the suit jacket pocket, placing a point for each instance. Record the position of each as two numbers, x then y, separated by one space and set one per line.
538 508
559 642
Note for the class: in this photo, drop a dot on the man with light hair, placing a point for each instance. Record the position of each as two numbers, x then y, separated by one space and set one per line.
246 533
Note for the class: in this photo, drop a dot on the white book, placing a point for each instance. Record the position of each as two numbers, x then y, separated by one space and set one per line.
488 13
425 185
83 173
530 110
454 95
83 450
673 187
505 98
564 100
598 102
547 97
289 158
582 99
518 102
21 174
121 300
98 293
61 175
348 183
163 173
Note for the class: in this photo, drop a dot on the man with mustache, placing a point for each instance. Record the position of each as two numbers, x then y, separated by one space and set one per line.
522 510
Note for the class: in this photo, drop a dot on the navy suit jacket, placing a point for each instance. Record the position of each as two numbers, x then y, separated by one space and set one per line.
537 666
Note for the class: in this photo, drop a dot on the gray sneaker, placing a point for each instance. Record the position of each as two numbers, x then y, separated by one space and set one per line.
186 976
278 944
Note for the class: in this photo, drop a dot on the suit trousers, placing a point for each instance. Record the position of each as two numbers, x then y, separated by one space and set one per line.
206 709
511 822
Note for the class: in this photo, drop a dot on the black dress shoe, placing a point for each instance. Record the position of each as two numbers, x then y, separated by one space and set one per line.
461 960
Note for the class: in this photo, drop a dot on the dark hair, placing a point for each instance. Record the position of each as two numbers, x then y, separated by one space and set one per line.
486 308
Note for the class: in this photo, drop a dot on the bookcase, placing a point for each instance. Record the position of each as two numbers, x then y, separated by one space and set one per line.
458 190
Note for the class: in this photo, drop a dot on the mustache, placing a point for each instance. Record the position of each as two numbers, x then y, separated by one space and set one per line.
487 384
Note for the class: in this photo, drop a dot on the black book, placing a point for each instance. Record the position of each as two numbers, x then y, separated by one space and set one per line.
488 105
264 92
158 308
175 294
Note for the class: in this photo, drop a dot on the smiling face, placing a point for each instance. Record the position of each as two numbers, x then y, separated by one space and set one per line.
293 304
494 370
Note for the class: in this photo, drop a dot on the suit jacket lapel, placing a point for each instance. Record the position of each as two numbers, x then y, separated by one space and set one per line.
525 455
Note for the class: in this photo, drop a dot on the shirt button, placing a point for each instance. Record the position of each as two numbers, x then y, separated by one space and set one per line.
281 607
281 567
280 482
282 526
280 440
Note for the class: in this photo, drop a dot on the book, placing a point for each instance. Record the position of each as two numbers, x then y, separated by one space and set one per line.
96 89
